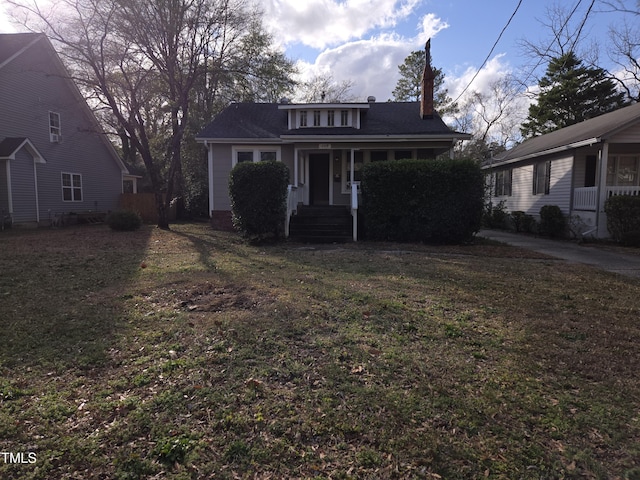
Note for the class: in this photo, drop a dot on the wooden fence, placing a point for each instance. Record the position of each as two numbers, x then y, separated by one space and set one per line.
145 205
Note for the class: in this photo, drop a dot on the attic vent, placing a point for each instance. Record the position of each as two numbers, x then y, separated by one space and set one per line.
371 99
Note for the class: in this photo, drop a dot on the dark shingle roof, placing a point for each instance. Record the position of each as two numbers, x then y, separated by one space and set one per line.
12 43
267 121
8 146
597 128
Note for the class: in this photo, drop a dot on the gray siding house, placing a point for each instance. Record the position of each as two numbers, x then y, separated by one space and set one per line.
324 145
576 168
54 158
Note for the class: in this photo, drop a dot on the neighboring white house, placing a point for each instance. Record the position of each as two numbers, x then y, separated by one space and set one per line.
324 145
576 168
54 158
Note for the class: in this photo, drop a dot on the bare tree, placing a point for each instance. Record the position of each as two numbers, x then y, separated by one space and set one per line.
324 88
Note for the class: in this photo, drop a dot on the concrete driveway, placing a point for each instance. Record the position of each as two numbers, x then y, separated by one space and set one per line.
623 264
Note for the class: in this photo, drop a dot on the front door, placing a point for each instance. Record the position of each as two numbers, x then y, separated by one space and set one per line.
319 178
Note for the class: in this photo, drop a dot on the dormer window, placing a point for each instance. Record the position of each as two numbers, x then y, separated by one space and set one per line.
331 118
344 118
303 118
55 132
316 118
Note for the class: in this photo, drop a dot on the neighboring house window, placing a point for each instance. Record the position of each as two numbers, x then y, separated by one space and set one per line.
344 118
316 118
303 118
622 171
331 118
71 187
55 132
541 177
503 182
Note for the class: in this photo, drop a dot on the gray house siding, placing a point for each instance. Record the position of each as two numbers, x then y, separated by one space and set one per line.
4 194
23 188
31 86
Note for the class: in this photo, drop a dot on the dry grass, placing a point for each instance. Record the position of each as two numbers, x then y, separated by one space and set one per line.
188 354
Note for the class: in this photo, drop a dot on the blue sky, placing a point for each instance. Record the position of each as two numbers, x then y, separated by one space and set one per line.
364 41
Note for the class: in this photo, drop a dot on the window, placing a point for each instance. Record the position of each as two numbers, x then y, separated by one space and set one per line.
71 187
503 182
622 171
378 155
358 163
331 118
55 133
268 156
244 156
402 154
344 118
252 153
303 118
316 118
541 178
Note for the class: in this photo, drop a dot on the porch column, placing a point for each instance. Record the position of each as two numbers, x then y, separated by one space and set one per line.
35 189
601 218
9 192
353 164
296 160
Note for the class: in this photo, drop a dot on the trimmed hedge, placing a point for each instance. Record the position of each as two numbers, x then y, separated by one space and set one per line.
124 220
258 193
423 200
623 219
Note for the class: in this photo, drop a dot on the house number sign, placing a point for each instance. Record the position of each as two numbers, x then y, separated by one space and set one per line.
324 146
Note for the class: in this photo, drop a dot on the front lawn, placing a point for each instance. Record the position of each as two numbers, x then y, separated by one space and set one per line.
191 355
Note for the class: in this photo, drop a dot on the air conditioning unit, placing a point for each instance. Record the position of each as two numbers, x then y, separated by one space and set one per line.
55 138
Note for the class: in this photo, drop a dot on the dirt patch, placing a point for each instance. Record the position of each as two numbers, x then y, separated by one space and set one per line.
210 297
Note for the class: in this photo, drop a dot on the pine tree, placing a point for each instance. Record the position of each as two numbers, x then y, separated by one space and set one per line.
570 92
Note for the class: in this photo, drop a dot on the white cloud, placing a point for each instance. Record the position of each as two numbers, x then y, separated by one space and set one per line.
323 23
372 64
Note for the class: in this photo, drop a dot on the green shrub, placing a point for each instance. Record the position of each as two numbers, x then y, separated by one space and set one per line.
124 221
623 217
552 221
423 200
258 193
495 216
523 222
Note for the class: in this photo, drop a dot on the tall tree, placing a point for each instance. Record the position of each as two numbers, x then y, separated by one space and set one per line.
408 87
570 93
142 61
324 88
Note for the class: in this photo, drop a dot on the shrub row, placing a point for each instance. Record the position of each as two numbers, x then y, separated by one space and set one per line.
258 193
420 200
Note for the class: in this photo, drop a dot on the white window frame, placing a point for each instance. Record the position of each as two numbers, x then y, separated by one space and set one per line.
331 118
303 120
55 127
256 150
72 188
345 117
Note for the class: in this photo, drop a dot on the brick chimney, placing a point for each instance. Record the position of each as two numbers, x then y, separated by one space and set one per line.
426 91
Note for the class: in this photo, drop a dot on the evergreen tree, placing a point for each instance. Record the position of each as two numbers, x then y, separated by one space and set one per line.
570 92
408 87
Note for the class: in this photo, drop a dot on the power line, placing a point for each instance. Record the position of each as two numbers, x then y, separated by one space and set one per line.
491 52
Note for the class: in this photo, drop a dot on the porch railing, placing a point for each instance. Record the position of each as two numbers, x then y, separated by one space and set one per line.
354 208
292 207
586 198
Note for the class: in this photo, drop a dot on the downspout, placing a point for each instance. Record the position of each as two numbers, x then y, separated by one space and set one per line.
602 190
9 192
210 172
35 186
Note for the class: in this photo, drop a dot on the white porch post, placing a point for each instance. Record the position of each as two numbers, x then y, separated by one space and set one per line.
9 192
601 218
35 187
210 172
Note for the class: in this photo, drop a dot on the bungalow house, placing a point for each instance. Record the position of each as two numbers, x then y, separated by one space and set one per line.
325 145
54 158
576 168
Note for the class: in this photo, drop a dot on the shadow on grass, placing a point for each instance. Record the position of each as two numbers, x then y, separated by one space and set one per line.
61 292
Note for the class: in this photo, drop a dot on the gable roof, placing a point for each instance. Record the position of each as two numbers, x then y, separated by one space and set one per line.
267 121
12 145
588 132
13 44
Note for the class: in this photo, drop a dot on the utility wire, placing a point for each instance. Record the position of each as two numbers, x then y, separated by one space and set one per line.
491 52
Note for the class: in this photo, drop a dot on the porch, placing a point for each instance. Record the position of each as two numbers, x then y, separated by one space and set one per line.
586 198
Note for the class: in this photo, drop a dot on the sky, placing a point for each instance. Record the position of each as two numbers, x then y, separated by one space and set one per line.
364 41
